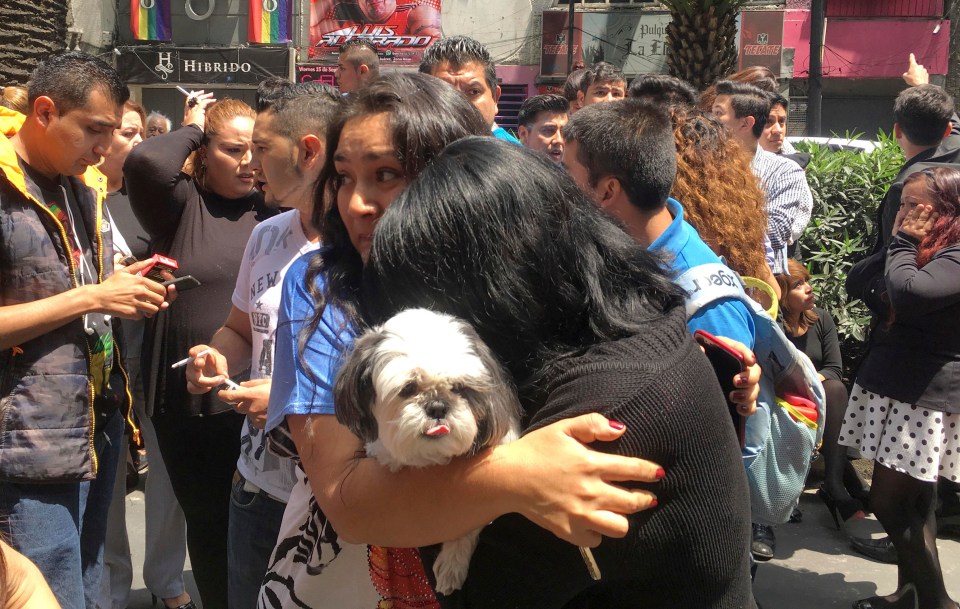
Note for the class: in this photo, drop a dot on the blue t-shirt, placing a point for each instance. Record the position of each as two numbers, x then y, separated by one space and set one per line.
501 133
304 385
727 317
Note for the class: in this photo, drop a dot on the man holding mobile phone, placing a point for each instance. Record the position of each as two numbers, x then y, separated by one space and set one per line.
64 392
288 153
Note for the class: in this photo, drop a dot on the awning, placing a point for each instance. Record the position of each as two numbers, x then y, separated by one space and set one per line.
868 48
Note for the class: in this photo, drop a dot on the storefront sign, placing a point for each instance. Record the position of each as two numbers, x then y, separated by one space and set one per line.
309 72
222 66
400 31
635 42
761 39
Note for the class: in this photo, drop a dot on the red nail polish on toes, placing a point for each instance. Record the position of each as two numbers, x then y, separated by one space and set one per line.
660 474
617 425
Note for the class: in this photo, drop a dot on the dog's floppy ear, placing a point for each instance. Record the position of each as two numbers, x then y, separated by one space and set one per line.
498 409
353 391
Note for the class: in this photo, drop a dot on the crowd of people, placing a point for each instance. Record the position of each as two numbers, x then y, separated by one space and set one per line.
320 213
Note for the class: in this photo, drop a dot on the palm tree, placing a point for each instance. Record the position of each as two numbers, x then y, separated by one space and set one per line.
30 31
701 39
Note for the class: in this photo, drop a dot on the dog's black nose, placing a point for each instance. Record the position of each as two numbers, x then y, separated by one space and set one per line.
437 409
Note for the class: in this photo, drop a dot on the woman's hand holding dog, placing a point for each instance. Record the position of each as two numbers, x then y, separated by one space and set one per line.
576 497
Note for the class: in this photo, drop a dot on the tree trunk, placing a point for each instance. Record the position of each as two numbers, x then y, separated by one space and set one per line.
30 31
701 42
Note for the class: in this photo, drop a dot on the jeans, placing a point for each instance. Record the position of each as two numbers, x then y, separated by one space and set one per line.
52 526
109 445
255 519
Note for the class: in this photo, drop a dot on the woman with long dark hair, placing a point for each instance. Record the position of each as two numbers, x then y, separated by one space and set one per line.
201 218
904 410
387 134
585 320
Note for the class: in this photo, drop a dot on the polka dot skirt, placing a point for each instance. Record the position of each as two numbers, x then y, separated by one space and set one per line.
923 444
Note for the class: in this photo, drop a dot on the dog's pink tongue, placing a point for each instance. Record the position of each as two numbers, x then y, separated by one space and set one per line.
438 430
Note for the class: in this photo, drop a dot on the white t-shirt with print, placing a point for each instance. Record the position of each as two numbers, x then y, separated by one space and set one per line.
273 246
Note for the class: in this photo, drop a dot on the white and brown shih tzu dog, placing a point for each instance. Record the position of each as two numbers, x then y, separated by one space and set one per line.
422 389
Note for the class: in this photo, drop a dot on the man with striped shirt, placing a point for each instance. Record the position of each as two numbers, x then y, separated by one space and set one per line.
744 110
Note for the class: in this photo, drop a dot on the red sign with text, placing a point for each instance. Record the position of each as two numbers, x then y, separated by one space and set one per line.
761 39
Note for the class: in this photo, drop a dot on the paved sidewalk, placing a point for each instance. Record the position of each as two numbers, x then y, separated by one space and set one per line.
814 567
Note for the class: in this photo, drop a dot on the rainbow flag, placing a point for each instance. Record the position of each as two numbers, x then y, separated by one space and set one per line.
271 21
150 19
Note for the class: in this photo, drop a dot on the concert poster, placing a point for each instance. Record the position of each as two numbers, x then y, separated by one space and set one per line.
401 30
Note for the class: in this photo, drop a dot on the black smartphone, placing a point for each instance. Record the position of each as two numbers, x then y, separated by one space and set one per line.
727 363
187 282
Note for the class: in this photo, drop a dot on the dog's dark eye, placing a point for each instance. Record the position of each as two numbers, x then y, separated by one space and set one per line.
409 390
458 388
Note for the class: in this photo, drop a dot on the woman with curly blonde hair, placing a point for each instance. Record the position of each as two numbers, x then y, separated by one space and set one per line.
721 197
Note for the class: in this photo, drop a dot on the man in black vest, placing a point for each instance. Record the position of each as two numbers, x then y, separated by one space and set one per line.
61 383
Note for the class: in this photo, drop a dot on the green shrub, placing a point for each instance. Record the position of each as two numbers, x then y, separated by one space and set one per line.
847 187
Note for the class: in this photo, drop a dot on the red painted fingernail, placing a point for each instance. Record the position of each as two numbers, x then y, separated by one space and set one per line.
654 502
660 474
617 425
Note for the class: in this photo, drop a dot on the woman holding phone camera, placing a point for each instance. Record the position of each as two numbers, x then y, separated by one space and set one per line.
202 218
904 410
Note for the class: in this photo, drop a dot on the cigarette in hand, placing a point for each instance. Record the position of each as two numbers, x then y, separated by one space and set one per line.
187 360
191 97
592 568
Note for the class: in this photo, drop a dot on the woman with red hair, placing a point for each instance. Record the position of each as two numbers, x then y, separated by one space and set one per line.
904 410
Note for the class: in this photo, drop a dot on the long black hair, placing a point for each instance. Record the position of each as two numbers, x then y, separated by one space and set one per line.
494 234
425 114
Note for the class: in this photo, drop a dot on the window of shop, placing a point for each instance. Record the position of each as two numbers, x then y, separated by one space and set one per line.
511 97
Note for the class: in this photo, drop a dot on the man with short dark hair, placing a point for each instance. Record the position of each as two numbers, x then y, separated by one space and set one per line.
623 155
774 136
744 110
357 64
603 82
541 121
571 89
64 393
926 129
466 65
664 89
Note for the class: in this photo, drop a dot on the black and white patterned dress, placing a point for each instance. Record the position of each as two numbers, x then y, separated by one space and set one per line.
923 444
